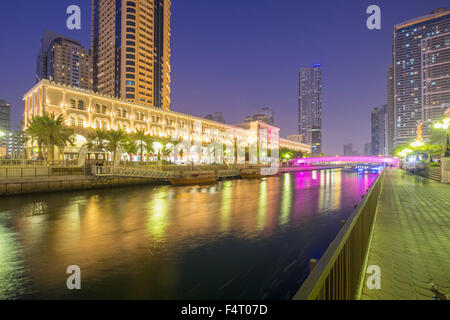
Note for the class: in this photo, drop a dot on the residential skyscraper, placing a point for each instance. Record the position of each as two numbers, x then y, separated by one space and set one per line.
131 50
63 60
5 116
390 111
421 62
310 106
378 131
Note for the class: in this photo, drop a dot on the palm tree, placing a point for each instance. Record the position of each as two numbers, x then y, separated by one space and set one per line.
431 150
97 139
114 140
141 140
49 130
439 136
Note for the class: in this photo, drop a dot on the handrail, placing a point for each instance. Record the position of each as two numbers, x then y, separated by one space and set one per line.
336 275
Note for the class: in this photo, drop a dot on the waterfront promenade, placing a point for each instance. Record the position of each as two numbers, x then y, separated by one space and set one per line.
411 240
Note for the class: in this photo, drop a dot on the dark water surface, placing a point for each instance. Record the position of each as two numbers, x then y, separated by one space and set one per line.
237 239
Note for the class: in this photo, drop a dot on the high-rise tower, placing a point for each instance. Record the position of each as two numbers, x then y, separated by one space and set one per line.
421 73
390 111
131 50
63 60
310 106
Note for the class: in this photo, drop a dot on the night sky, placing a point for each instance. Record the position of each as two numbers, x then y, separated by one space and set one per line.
236 56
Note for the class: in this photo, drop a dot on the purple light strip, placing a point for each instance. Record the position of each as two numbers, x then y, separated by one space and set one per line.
348 159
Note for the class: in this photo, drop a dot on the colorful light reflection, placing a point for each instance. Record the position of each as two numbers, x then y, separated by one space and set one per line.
348 159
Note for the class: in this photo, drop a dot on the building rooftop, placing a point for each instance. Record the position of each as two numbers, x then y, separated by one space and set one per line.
433 15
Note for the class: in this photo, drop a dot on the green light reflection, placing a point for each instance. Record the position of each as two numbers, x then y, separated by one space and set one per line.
262 205
158 214
286 199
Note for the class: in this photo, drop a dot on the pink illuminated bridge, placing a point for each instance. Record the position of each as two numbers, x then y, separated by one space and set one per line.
339 159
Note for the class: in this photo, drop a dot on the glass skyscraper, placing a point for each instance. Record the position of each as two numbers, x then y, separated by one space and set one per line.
310 106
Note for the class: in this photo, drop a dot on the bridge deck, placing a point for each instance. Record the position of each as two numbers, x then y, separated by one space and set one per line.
411 241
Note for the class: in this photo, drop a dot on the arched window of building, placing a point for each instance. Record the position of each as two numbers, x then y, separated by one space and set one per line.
124 113
104 109
73 103
105 125
72 121
80 105
98 124
81 122
119 112
97 108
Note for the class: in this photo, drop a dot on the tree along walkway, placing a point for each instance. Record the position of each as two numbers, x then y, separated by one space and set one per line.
411 240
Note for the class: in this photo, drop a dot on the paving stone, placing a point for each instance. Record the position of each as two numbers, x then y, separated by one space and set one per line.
411 241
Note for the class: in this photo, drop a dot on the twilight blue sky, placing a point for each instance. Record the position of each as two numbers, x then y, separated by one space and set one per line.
236 56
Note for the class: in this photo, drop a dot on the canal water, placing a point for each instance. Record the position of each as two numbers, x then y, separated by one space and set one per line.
237 239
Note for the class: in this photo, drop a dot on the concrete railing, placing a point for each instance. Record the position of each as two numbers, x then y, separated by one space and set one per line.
337 275
29 172
35 163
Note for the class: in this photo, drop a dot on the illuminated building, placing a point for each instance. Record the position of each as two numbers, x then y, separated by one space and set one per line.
5 116
131 50
85 110
310 106
390 111
63 60
421 68
378 130
295 137
265 115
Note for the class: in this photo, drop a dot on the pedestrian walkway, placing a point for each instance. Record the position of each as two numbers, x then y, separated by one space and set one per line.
411 240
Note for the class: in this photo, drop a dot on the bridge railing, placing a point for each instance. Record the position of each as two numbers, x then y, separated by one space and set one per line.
337 275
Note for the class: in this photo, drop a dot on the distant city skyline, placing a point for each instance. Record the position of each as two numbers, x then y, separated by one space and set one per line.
228 70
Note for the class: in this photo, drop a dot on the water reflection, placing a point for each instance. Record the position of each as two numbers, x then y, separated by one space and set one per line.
247 239
286 199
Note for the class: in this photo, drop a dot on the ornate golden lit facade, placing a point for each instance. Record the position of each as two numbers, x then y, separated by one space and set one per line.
85 110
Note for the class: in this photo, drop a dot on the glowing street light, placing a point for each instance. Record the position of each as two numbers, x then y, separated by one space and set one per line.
404 152
445 125
157 146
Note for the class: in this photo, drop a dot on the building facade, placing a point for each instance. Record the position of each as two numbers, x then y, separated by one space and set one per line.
266 115
130 42
63 60
295 137
420 59
390 111
85 110
12 145
310 106
5 116
435 78
378 131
